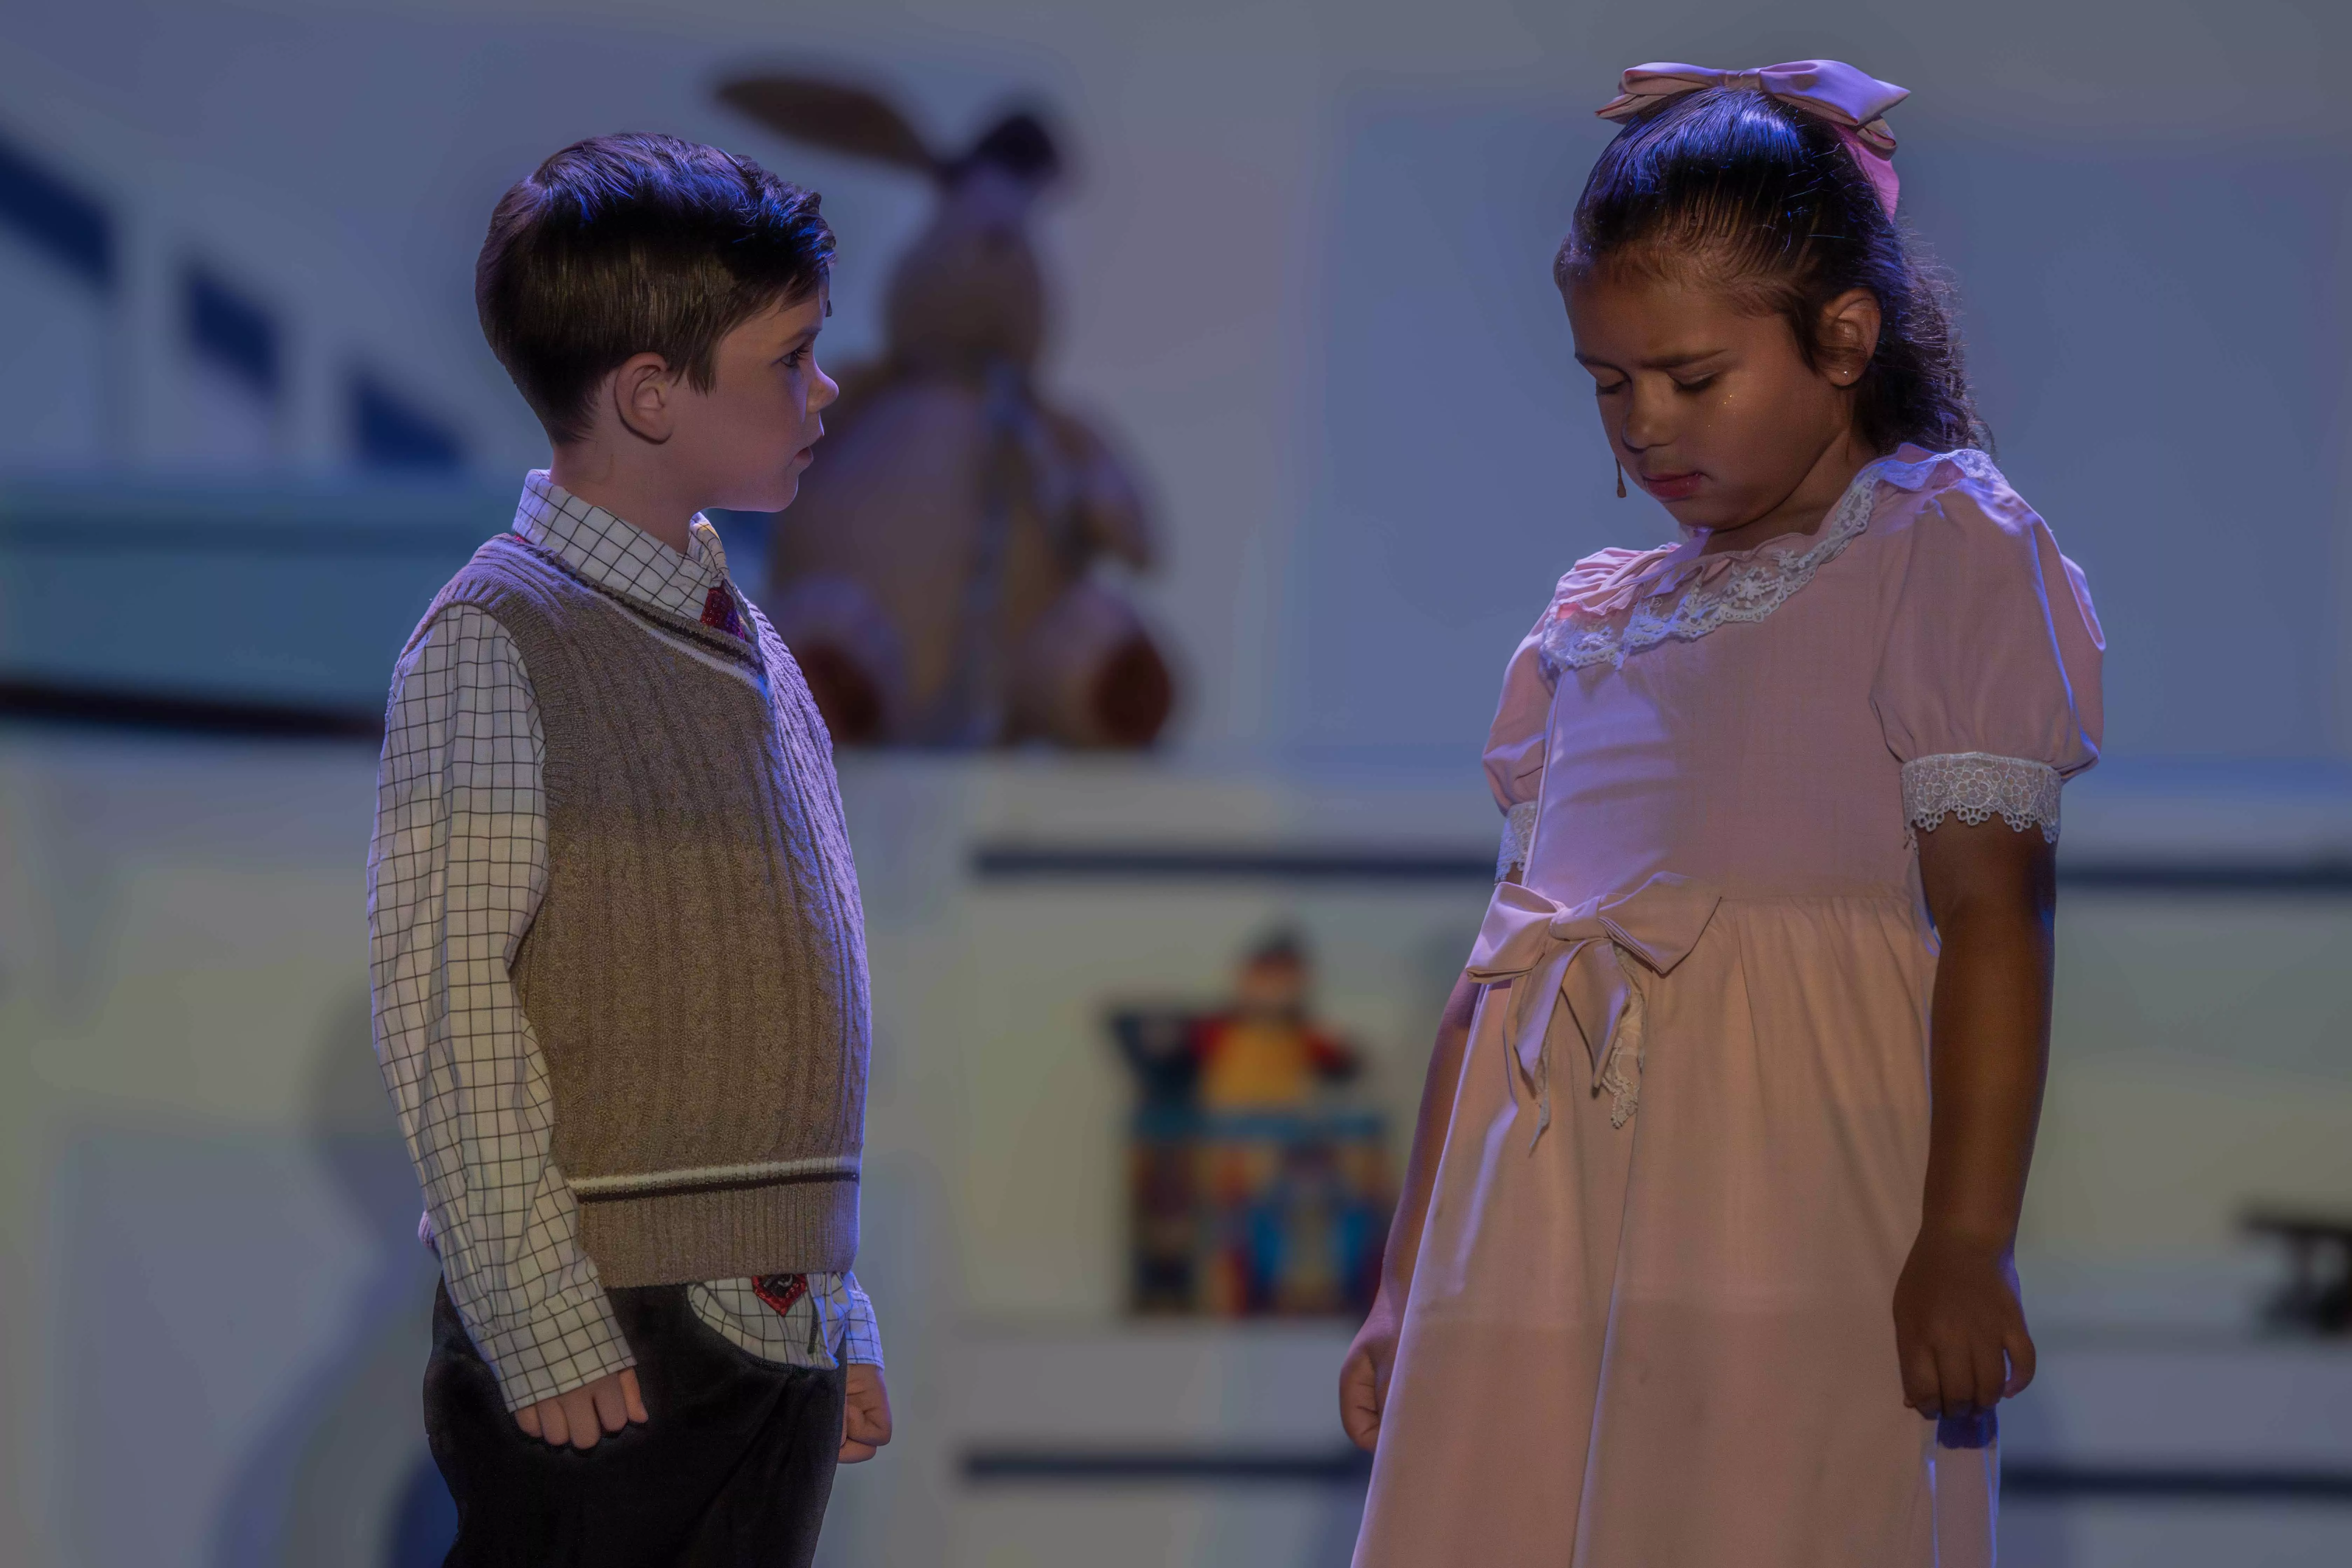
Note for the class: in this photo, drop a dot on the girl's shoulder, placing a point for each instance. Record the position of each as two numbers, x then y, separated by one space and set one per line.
1594 591
1608 580
1959 533
1960 490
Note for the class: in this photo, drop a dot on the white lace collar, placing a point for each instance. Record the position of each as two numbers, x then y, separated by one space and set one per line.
1747 586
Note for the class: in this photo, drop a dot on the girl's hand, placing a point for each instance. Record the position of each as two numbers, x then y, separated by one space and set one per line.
864 1413
1960 1331
1364 1374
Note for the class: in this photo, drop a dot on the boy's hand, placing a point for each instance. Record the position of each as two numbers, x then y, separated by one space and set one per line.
582 1417
1364 1374
1960 1331
864 1413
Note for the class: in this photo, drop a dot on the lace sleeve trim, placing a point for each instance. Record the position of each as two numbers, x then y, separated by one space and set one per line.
1519 837
1977 786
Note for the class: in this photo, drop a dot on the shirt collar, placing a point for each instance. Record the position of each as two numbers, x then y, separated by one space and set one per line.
616 554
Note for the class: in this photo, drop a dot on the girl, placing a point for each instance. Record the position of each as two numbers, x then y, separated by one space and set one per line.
1704 1255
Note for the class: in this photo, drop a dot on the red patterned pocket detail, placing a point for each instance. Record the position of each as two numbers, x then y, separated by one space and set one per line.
781 1290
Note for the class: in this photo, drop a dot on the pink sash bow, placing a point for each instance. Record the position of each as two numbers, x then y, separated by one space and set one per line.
1853 104
1553 955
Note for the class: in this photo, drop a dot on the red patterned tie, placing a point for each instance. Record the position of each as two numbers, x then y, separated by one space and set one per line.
718 612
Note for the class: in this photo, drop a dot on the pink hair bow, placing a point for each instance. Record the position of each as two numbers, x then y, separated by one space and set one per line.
1853 104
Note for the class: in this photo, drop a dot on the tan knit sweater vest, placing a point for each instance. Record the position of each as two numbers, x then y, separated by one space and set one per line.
696 972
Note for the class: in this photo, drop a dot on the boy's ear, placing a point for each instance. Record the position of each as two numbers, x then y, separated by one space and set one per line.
644 396
1849 336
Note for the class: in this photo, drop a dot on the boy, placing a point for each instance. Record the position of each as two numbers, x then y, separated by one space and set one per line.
618 955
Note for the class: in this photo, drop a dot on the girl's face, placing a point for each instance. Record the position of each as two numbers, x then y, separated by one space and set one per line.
1712 409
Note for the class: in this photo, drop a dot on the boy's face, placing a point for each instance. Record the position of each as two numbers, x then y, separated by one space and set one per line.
747 440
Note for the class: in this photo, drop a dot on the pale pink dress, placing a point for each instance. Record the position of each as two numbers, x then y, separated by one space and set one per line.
1656 1332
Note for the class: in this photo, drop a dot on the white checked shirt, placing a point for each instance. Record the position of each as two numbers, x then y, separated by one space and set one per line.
455 875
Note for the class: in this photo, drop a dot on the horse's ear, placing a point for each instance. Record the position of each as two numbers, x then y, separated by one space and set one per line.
832 115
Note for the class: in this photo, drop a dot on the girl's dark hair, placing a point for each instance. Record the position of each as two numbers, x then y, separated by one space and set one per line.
1755 197
622 245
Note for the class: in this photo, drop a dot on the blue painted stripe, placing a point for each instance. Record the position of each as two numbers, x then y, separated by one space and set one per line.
1335 1466
68 226
2020 1478
1029 862
231 330
1210 863
1166 1466
175 713
390 432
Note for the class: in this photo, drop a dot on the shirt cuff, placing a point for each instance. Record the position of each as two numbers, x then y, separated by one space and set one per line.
568 1343
861 1336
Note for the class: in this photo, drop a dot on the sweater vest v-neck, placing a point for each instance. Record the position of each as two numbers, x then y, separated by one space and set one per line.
695 974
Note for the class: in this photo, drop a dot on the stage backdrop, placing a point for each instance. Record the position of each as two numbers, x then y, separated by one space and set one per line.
1303 266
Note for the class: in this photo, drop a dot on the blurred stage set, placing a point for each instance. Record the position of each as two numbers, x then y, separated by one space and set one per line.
1295 268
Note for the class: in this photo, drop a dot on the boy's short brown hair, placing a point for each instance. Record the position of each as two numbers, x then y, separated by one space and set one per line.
635 244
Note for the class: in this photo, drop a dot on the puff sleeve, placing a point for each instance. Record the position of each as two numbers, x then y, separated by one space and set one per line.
1988 688
1515 746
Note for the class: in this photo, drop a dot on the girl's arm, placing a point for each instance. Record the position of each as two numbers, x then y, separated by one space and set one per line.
1959 1330
1364 1375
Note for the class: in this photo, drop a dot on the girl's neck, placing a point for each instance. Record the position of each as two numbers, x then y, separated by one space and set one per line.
1803 508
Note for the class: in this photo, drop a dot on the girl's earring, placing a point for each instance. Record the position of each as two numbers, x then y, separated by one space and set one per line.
1620 481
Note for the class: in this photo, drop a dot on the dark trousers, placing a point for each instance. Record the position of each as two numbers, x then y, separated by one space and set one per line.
731 1470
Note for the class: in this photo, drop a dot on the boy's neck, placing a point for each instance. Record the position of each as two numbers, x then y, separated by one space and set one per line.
638 499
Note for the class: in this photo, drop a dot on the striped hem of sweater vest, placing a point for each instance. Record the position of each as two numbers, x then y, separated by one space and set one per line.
706 1232
715 1178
